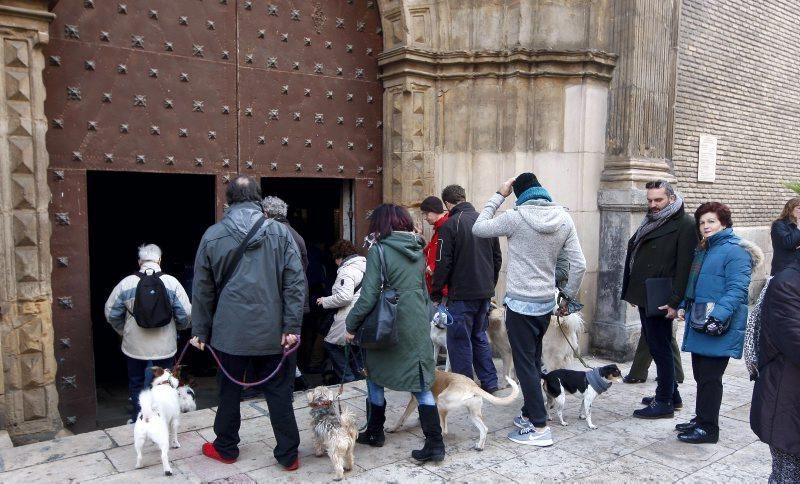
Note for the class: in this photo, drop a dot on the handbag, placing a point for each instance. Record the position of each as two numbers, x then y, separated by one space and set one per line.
379 329
700 320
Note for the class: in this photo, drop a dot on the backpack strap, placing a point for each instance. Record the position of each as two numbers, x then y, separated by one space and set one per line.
237 256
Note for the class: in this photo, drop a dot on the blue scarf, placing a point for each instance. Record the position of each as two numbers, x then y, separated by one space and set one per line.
533 193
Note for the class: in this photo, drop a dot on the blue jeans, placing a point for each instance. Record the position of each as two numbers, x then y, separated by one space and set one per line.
139 375
467 342
376 395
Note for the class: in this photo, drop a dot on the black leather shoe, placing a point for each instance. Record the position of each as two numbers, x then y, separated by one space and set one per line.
676 404
686 427
699 435
630 379
655 410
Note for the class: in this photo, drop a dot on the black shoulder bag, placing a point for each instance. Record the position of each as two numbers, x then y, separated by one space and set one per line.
379 329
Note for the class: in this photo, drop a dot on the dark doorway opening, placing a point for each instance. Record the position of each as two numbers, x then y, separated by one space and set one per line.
127 210
319 210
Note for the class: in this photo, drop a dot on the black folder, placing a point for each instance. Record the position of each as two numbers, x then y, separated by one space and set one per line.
657 292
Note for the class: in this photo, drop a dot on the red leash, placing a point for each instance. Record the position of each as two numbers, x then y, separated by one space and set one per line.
286 353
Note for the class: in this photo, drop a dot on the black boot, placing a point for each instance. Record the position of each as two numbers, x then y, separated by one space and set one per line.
434 445
374 435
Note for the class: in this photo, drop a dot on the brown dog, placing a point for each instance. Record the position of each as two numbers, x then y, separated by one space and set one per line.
453 391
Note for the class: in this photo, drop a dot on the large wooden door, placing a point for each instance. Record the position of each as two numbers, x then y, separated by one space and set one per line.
259 87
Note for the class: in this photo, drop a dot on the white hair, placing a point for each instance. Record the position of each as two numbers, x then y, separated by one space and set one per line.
149 252
274 206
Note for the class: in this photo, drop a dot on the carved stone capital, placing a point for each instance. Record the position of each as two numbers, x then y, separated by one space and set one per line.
633 172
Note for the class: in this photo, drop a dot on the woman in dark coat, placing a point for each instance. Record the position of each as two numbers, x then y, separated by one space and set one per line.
786 236
775 412
407 366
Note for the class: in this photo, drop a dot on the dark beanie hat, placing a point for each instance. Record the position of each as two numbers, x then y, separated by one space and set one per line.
523 182
431 204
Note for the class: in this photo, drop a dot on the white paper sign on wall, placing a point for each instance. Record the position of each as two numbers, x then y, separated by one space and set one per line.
707 159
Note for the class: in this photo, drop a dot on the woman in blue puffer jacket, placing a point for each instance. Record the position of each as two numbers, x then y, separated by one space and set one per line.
716 313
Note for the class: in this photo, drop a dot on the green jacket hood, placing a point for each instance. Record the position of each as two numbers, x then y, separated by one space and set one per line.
407 243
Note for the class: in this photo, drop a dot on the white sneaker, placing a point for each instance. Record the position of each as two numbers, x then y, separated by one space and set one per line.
530 436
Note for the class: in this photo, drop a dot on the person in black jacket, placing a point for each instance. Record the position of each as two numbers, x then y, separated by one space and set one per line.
469 266
786 236
662 247
775 411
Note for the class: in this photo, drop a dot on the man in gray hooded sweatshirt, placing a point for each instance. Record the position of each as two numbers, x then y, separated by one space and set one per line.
538 232
251 311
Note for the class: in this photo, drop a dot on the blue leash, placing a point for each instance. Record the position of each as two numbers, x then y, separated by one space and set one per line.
443 316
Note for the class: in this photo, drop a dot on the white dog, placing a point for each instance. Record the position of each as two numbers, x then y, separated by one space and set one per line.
186 399
158 419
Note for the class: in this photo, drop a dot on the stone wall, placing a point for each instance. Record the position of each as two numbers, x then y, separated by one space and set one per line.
737 80
28 397
477 92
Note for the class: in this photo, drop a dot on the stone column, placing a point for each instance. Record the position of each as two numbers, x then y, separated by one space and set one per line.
638 149
477 92
28 397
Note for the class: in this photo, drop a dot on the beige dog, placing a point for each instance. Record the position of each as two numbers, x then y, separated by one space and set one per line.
333 432
556 350
453 391
498 337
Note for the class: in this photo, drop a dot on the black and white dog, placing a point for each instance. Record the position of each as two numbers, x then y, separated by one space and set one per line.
590 384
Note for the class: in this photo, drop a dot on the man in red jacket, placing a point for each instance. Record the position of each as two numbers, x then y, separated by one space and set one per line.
433 212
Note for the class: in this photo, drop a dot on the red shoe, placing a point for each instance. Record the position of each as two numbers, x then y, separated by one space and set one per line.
294 465
210 451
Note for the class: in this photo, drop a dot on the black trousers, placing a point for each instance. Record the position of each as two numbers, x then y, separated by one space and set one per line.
346 369
278 394
658 334
525 333
708 371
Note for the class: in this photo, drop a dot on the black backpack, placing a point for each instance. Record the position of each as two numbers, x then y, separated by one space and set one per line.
151 306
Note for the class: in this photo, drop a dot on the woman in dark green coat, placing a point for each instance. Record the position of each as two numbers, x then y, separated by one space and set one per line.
407 366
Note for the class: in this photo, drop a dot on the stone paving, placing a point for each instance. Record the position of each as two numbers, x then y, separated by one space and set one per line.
622 449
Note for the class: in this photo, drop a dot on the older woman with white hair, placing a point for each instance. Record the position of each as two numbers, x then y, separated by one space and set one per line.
149 327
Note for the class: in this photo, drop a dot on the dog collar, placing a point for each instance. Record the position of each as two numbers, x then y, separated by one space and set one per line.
321 404
165 382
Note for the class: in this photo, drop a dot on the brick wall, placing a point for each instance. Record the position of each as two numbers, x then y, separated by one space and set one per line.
738 64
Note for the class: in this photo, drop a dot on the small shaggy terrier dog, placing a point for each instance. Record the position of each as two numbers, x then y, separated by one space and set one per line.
334 432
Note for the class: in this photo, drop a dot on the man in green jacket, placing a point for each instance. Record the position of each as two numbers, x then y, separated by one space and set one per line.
251 318
662 247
